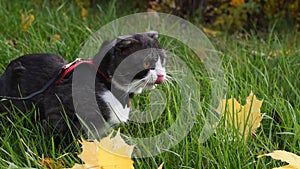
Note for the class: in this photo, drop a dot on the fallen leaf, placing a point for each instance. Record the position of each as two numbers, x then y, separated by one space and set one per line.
50 164
244 118
83 4
110 152
84 12
284 156
210 32
26 20
55 38
80 166
237 3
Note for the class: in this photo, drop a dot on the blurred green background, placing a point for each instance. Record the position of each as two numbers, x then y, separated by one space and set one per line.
257 40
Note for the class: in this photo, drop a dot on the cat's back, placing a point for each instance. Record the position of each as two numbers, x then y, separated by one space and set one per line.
38 61
29 73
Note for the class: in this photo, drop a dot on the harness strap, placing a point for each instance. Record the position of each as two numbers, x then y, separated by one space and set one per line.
66 70
61 73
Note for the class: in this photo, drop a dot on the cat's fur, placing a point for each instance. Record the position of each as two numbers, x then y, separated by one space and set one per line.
31 72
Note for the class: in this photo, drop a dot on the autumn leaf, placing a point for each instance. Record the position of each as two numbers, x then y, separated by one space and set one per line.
210 32
167 6
83 4
110 152
84 12
26 20
284 156
244 118
49 163
237 3
55 38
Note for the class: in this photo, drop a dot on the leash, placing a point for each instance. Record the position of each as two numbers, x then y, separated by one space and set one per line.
61 73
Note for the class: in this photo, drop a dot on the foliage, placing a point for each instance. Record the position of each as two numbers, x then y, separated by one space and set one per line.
292 159
244 118
110 152
267 63
233 15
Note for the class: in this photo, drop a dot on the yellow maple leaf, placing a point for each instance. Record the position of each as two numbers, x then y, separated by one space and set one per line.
109 153
237 3
284 156
244 118
84 12
26 20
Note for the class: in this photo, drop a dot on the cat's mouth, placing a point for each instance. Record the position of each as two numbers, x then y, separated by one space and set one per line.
149 83
160 79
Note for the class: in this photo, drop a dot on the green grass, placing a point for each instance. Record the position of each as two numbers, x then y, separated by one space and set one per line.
272 74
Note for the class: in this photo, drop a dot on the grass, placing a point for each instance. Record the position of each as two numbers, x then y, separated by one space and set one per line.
267 65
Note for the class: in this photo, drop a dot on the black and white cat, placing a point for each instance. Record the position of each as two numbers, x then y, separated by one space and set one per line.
112 88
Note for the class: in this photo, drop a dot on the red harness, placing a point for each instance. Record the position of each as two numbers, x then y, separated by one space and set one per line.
67 69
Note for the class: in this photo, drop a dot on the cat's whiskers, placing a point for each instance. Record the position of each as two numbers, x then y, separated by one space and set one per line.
134 85
169 80
146 83
168 77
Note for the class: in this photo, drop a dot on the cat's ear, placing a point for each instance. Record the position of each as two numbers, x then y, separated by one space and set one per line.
124 41
152 34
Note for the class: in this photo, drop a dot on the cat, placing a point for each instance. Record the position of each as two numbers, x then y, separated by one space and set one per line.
112 88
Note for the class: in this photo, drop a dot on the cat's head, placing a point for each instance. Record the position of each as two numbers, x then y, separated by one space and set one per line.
134 62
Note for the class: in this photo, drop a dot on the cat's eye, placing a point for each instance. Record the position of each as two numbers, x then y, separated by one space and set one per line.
146 64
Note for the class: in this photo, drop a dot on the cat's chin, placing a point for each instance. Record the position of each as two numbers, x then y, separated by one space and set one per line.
149 86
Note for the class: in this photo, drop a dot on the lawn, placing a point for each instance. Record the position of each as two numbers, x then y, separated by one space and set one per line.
265 63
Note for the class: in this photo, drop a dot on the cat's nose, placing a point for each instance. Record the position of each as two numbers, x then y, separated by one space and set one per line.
160 79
